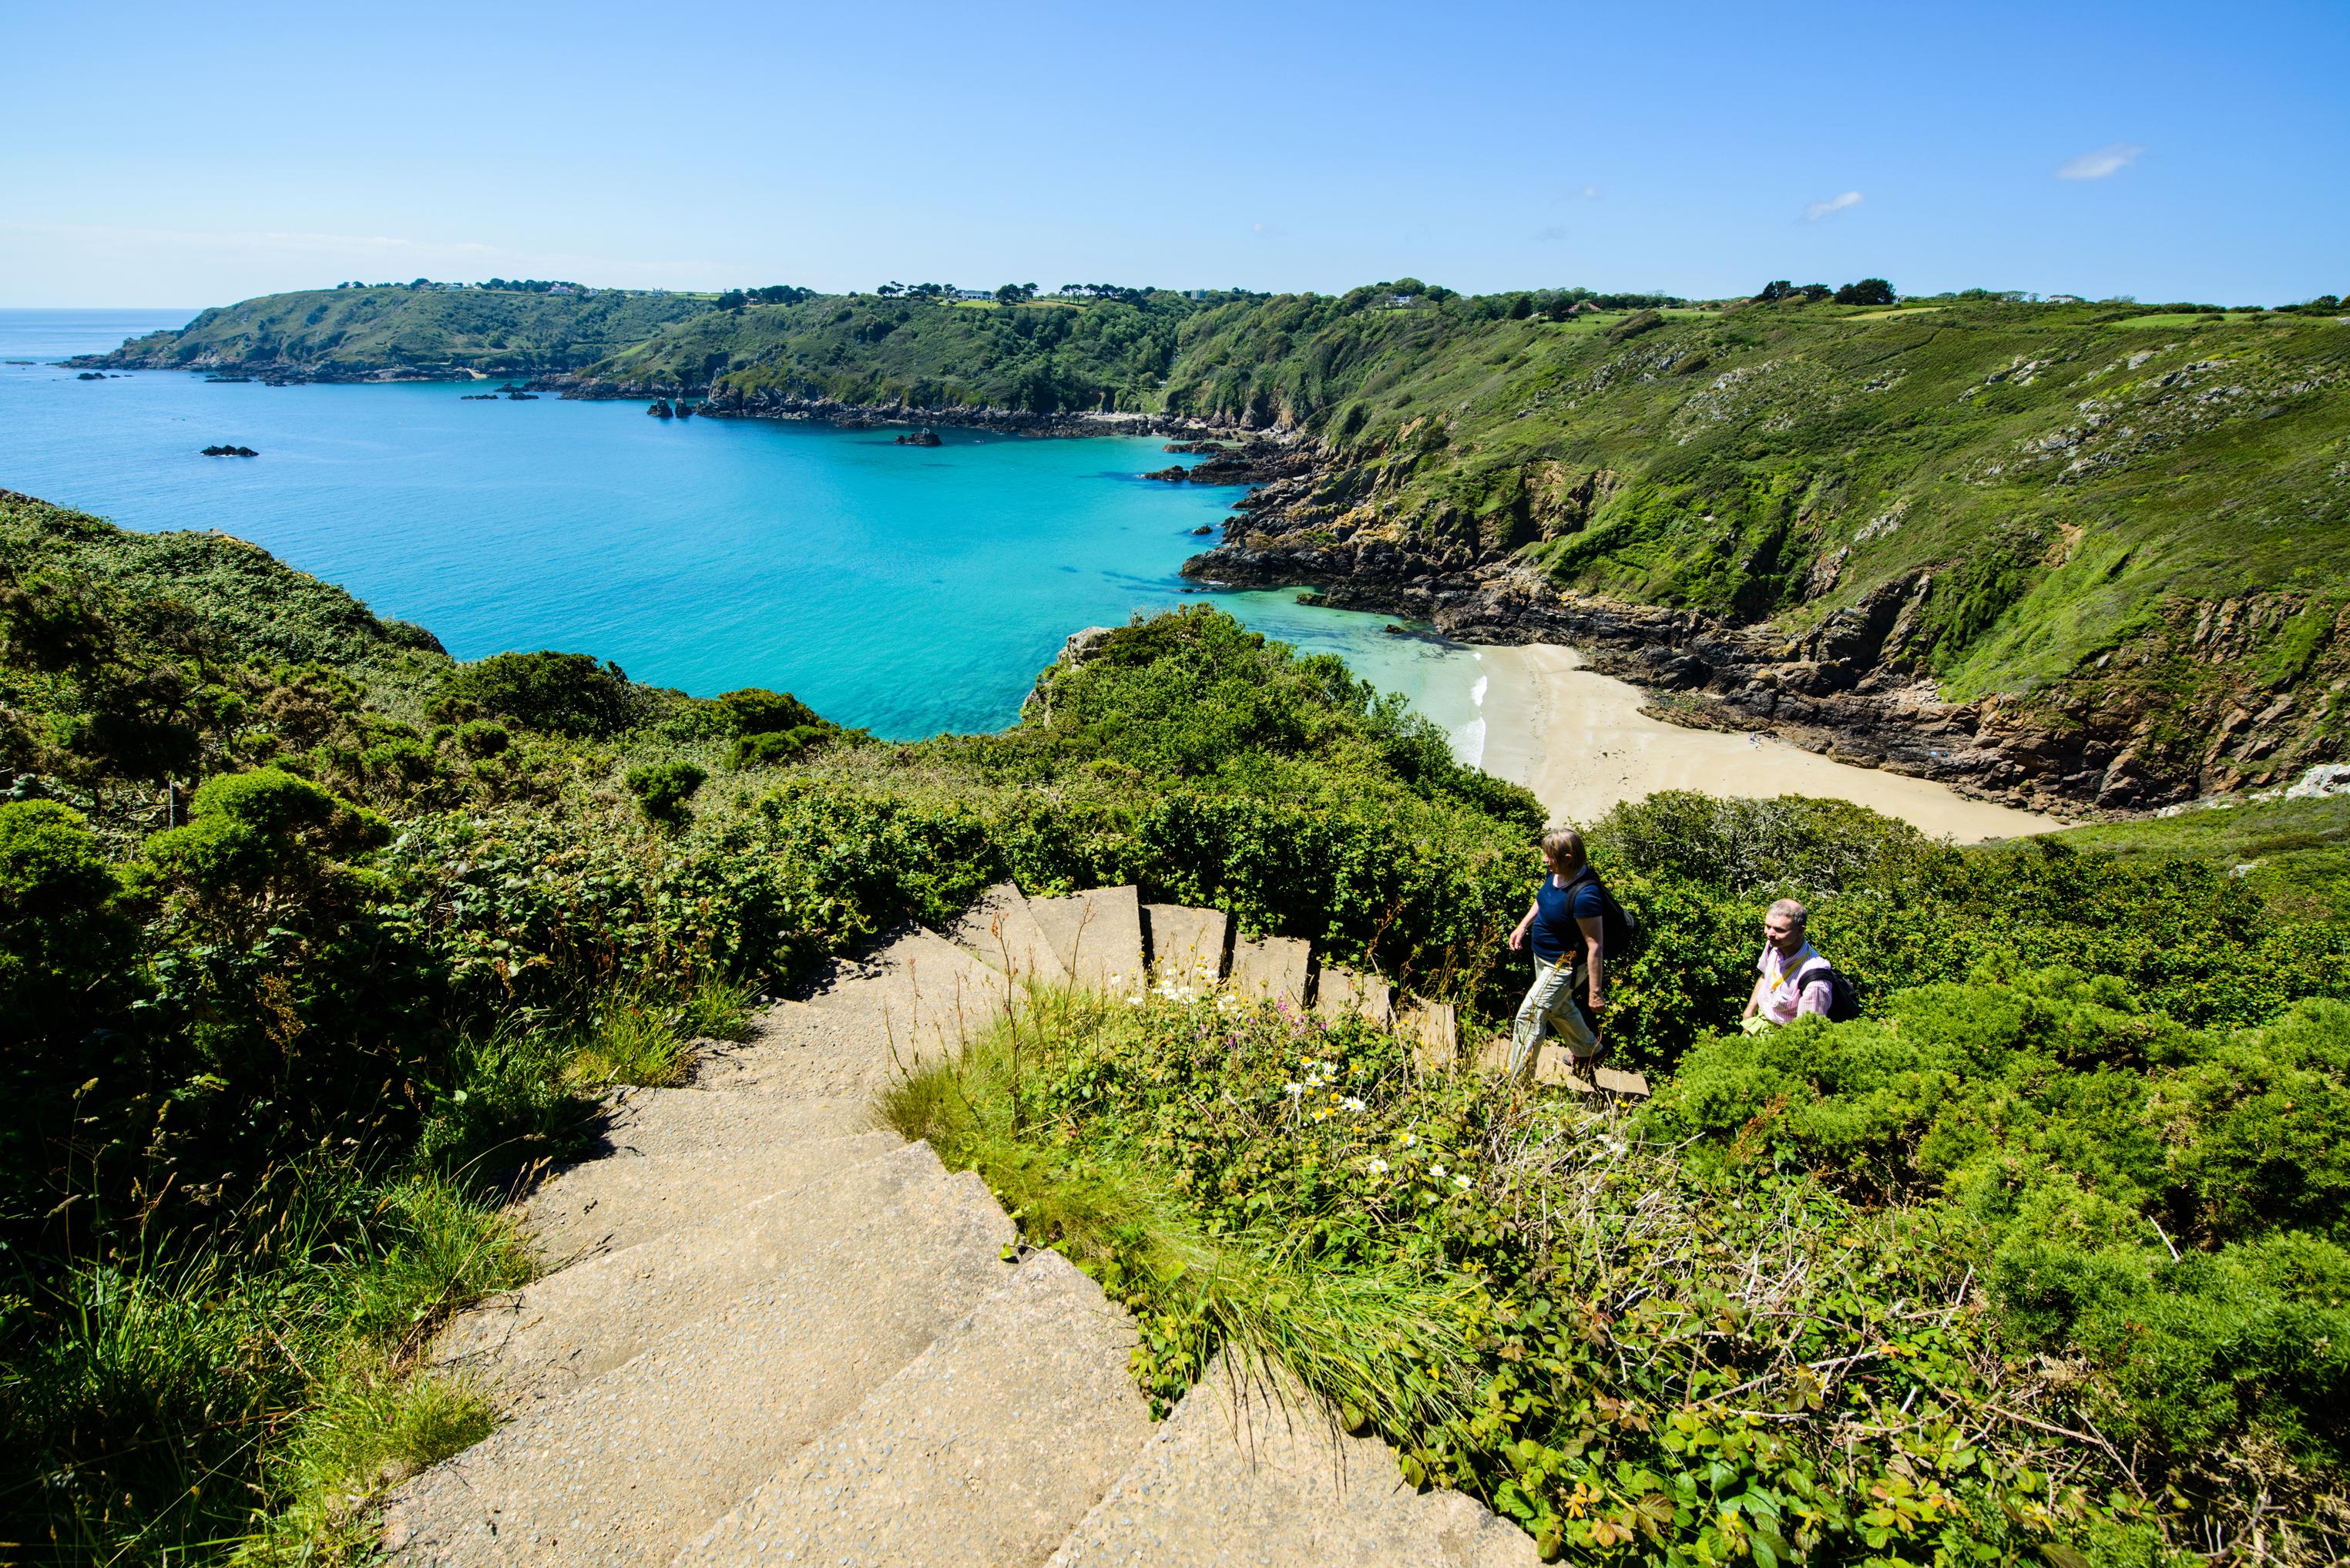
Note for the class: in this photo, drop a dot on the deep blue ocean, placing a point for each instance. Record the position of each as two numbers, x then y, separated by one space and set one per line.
908 590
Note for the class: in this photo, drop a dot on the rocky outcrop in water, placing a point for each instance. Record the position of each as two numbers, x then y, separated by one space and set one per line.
920 438
660 410
230 452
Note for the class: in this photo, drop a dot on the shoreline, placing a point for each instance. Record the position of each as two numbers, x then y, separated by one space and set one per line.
1579 741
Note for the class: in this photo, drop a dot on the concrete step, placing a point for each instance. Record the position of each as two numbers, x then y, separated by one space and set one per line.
632 1466
673 1157
1098 936
1187 944
981 1454
1342 993
547 1339
1555 1065
914 1001
1002 932
1252 1473
1434 1030
1272 969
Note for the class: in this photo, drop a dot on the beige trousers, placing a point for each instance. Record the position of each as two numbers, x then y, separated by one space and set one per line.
1549 1008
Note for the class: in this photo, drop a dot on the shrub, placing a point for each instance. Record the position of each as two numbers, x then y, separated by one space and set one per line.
60 934
755 712
662 789
480 738
774 748
258 845
561 694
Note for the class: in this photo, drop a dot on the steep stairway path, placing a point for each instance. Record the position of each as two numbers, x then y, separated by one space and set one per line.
780 1335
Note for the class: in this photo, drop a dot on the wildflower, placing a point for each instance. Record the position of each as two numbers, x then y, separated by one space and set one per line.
1293 1090
1409 1139
1378 1167
1462 1182
1354 1104
1437 1171
1134 1001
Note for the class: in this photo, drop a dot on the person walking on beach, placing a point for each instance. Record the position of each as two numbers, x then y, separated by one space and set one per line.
1568 925
1791 978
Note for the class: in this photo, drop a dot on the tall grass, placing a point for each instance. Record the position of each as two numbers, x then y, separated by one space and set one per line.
1388 1345
251 1391
645 1036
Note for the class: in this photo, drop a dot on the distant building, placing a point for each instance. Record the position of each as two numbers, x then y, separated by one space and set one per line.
974 293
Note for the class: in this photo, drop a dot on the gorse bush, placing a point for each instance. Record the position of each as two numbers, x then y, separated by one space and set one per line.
662 789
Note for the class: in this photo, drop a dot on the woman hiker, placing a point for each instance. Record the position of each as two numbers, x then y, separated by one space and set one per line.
1568 925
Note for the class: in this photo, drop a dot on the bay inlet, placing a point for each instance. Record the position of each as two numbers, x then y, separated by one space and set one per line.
904 590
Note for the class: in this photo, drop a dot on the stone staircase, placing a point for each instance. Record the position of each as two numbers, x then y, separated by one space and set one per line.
784 1337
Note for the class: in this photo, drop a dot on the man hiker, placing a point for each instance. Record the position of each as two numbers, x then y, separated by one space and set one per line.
1792 979
1566 923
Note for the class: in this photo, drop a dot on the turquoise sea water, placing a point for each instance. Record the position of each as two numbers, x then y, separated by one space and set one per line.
910 590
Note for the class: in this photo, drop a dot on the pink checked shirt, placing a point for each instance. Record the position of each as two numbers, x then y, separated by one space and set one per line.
1782 1001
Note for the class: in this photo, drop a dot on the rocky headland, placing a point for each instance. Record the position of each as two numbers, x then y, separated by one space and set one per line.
1855 687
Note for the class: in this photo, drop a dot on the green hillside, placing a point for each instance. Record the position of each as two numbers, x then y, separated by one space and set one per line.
349 333
2143 516
2132 522
1040 358
312 940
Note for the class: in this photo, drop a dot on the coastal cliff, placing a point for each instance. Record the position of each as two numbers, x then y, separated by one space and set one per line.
2065 553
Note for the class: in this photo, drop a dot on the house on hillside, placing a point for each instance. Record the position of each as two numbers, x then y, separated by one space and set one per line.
974 293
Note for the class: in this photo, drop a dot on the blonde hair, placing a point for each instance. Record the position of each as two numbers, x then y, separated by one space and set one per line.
1563 848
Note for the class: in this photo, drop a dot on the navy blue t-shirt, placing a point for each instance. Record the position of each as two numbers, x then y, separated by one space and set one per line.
1557 911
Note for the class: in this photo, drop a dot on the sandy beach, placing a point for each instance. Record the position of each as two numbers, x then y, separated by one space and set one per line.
1579 741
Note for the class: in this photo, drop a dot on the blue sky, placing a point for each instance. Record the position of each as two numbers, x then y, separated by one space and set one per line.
189 155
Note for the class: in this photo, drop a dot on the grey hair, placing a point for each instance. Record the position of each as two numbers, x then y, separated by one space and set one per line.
1565 845
1793 910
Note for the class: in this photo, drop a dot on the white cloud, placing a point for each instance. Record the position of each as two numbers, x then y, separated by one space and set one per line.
2098 164
1818 210
1591 192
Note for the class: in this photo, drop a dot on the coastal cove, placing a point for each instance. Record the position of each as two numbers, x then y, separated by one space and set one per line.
906 590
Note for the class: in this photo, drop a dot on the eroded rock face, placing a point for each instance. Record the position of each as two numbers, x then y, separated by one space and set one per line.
1856 686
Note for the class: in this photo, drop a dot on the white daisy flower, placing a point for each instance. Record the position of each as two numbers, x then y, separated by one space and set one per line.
1462 1182
1437 1171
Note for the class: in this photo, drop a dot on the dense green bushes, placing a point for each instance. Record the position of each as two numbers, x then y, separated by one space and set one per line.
346 948
1638 1357
561 694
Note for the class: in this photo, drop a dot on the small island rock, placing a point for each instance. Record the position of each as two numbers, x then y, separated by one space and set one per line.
920 438
660 410
230 452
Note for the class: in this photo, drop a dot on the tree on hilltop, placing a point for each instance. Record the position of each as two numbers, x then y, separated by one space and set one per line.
1015 292
1867 291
